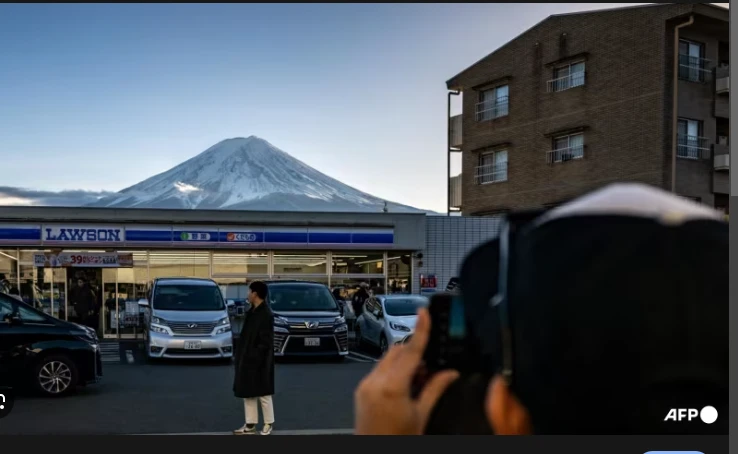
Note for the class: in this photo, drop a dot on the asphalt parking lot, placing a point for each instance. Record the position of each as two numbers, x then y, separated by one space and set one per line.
192 397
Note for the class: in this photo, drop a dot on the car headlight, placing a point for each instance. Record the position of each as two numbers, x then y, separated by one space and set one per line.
158 321
223 321
339 320
341 328
223 329
280 321
159 329
398 327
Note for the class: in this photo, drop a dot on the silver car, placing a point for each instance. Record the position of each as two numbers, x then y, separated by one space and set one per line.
187 318
388 319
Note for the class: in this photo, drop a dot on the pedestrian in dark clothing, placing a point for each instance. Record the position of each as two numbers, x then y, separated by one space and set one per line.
254 378
360 297
83 302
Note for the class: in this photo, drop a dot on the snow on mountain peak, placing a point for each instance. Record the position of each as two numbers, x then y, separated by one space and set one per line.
248 174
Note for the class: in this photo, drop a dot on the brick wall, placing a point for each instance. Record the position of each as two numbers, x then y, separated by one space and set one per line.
623 109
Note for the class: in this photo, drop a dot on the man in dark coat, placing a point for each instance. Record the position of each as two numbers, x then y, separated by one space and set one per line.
82 300
254 379
360 297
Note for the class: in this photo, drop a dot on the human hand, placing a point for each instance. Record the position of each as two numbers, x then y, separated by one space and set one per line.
383 404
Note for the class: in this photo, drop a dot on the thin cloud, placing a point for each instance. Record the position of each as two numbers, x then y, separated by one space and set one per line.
11 196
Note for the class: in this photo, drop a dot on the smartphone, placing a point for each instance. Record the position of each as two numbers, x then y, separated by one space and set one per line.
447 343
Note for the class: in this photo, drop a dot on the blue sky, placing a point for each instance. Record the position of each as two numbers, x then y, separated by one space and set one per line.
100 97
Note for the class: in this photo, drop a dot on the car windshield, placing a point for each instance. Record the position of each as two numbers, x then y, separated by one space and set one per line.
178 297
301 297
398 307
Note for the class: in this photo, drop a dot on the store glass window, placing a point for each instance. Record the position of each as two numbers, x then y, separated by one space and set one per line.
179 264
240 263
8 270
27 278
358 262
291 263
399 277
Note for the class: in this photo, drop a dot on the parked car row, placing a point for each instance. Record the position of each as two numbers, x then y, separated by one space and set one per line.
189 318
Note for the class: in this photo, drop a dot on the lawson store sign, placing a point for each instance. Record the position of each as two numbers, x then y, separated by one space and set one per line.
138 235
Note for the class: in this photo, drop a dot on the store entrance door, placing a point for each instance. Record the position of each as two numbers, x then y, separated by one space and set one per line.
85 296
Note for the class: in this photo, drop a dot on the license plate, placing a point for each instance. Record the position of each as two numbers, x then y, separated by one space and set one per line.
193 345
312 341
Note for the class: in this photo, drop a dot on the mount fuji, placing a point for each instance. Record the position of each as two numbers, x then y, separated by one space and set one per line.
247 174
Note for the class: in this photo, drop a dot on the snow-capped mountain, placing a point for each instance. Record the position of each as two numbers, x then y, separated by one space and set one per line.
247 174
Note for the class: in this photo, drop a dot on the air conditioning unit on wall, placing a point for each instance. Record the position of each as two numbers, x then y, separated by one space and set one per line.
722 140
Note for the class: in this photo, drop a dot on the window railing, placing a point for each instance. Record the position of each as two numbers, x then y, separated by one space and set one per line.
493 108
565 83
691 147
565 154
491 173
693 69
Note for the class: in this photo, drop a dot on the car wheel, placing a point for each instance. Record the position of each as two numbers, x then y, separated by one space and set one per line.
55 376
383 344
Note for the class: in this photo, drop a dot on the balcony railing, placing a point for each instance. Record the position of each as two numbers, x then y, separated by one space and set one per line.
692 147
722 80
455 185
565 154
494 108
693 69
491 173
454 126
565 83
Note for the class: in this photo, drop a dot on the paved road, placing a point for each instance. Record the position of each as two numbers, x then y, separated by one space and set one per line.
190 397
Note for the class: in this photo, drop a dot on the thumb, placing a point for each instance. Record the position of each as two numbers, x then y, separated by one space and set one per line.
432 391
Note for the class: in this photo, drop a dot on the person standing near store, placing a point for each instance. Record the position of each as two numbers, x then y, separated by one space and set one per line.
83 301
254 375
359 298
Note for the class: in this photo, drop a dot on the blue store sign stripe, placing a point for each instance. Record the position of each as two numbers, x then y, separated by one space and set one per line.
149 235
286 237
81 235
329 237
16 234
372 238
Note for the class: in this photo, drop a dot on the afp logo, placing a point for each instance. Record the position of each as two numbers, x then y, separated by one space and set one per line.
708 415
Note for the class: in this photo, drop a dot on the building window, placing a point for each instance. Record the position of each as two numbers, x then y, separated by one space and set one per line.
690 142
492 167
567 148
567 76
300 262
692 62
240 263
176 263
358 263
493 103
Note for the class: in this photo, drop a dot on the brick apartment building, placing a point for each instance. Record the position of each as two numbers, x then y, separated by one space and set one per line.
585 99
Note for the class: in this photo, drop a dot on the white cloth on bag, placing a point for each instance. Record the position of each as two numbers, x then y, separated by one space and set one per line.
251 406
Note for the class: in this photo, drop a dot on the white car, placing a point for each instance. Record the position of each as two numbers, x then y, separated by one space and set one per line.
388 320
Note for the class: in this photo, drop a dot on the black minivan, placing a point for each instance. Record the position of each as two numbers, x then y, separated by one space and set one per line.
52 355
308 321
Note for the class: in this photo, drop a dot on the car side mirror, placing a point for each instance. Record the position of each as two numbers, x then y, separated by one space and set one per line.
143 302
230 303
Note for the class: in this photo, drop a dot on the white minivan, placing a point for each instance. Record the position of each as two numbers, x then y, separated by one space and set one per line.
187 318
